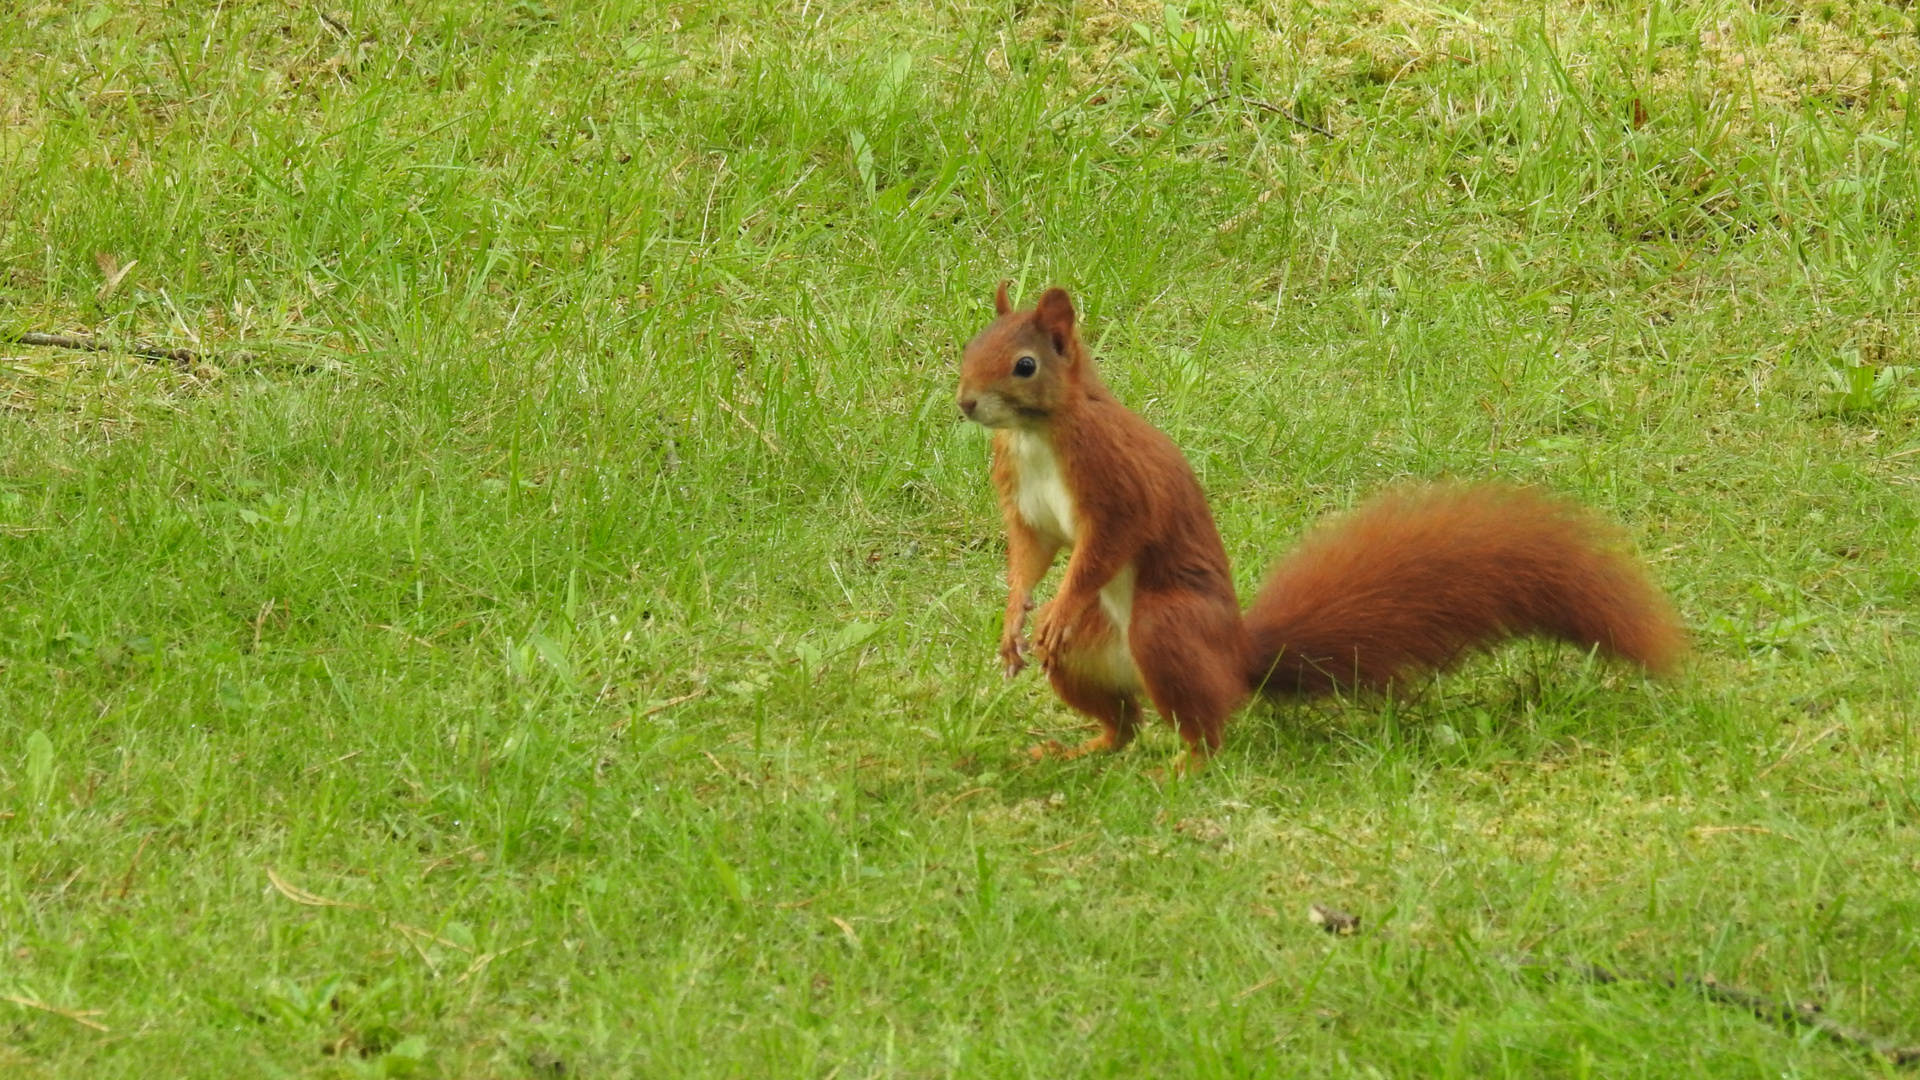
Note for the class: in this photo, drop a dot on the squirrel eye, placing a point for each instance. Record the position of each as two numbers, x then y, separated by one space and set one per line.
1025 366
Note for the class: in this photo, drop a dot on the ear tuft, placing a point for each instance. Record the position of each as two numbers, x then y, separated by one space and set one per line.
1055 316
1002 305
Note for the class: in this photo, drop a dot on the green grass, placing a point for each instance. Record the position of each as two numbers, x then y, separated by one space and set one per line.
587 590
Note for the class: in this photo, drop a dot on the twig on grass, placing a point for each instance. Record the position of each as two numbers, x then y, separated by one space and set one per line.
661 708
411 932
1795 749
1256 988
960 798
1060 847
471 853
301 896
185 359
669 703
412 935
730 774
1779 1013
78 1016
735 413
181 359
1716 830
1299 121
415 638
311 769
425 957
1806 1015
334 24
480 963
71 878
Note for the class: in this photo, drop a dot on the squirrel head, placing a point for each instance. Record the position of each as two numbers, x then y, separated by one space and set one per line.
1025 366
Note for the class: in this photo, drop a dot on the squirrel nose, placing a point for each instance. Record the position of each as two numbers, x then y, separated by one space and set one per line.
968 404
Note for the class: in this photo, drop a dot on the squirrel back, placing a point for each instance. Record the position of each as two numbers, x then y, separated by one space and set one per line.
1416 578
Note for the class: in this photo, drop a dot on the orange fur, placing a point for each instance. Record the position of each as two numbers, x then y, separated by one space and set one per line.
1415 579
1146 608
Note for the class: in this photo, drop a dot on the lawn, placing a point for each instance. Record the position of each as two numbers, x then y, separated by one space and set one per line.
544 624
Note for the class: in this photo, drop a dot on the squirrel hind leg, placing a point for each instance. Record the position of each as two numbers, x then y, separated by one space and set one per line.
1116 710
1189 648
1095 676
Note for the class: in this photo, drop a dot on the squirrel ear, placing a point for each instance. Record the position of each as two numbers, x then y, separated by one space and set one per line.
1002 305
1055 316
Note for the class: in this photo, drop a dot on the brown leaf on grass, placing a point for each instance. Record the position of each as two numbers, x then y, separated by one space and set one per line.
1333 920
114 272
846 928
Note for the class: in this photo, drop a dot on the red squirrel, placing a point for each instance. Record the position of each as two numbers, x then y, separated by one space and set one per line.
1407 583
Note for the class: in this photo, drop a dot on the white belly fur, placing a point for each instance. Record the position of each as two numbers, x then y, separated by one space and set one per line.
1047 506
1041 492
1113 665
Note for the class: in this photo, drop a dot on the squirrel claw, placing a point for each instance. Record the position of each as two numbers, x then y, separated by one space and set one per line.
1049 639
1013 657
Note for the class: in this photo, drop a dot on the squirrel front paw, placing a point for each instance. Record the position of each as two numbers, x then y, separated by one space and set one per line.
1013 655
1050 632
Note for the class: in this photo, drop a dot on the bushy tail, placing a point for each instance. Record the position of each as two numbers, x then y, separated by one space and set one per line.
1414 579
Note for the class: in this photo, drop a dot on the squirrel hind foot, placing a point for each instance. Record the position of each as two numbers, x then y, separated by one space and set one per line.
1103 743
